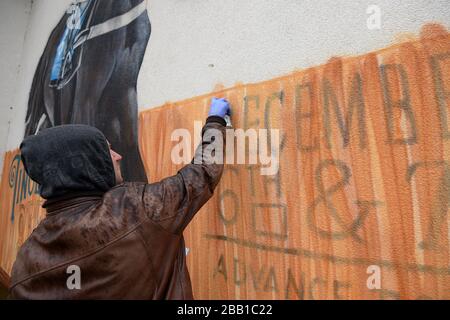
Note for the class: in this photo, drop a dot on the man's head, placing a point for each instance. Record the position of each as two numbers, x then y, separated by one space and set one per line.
70 158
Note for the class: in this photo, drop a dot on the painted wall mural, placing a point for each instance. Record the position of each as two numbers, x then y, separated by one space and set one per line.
363 184
88 74
20 207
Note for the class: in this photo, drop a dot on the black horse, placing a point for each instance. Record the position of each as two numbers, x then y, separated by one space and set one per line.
97 84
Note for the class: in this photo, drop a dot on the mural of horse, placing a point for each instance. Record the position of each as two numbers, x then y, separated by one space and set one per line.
88 75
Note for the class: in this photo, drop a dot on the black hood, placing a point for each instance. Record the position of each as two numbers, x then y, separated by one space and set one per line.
67 159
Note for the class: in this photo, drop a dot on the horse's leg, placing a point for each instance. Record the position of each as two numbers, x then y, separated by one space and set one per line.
119 124
117 114
96 68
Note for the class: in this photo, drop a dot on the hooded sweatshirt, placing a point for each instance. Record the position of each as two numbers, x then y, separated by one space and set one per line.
68 160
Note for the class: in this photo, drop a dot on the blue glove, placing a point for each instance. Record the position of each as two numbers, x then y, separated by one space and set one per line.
220 108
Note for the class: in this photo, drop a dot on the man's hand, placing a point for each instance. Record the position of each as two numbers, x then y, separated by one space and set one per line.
220 108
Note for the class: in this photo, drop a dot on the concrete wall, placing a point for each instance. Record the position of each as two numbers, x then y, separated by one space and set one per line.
196 45
14 22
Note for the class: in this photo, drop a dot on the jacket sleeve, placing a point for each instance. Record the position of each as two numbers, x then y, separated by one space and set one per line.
173 202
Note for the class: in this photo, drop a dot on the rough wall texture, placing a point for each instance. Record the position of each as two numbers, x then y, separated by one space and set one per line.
14 17
196 44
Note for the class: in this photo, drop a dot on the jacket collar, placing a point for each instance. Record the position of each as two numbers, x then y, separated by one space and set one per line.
58 204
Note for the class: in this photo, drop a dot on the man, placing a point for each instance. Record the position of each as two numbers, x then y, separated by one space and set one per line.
104 239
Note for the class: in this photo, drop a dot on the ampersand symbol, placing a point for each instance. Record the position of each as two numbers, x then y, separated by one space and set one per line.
347 230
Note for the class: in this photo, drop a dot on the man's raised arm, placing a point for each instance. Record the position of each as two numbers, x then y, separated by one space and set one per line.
174 201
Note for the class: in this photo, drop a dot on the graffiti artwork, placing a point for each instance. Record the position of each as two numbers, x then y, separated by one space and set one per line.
21 208
363 182
88 73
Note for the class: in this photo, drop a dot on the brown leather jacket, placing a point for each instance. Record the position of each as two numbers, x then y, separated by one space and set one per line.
128 243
